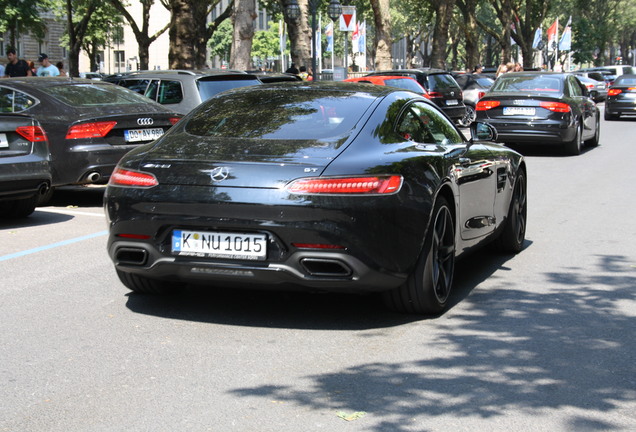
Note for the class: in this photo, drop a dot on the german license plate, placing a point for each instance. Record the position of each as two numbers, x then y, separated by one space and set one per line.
4 143
136 135
452 102
525 111
219 245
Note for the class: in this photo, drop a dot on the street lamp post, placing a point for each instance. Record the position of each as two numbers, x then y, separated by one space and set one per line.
334 10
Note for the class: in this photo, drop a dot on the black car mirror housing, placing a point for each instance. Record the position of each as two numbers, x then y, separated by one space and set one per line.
480 131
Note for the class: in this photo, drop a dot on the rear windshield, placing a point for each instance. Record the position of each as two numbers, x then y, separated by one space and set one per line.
441 82
275 114
85 95
406 83
534 83
208 87
625 80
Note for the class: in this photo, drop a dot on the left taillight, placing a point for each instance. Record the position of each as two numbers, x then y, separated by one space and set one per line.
32 133
129 178
90 130
555 106
367 185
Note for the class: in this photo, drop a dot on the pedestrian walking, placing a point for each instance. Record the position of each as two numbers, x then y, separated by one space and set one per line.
16 67
60 67
47 68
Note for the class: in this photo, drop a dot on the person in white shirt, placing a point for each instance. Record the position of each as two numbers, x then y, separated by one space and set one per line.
47 69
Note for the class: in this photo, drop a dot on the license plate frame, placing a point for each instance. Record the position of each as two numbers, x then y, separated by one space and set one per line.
141 135
219 244
522 111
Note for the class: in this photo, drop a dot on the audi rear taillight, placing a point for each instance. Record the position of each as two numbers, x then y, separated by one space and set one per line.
129 178
487 104
174 120
555 106
90 130
32 133
614 92
369 185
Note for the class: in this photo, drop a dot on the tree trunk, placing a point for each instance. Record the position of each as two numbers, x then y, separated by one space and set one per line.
443 15
383 42
243 21
471 33
181 53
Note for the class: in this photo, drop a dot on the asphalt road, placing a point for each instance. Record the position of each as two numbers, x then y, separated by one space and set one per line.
543 341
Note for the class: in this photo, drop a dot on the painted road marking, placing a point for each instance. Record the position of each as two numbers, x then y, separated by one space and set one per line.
52 246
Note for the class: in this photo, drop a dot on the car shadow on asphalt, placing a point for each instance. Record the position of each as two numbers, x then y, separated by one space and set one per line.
77 196
303 310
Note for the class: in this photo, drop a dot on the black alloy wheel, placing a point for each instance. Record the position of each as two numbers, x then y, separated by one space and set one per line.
428 288
514 232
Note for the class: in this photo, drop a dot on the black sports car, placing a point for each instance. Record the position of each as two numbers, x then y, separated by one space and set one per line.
322 185
621 98
25 174
541 108
89 124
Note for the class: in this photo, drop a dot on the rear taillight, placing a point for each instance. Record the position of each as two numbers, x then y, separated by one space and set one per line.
487 104
174 120
614 92
122 177
590 86
435 94
32 133
555 106
372 185
90 130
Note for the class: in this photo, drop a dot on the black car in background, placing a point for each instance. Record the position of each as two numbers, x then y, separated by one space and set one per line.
25 174
89 124
441 87
621 98
182 90
541 108
329 186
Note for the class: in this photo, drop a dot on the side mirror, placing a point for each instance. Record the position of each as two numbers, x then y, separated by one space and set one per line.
482 132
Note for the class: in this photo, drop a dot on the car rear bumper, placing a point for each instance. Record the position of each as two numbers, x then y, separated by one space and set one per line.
620 108
23 180
304 270
533 132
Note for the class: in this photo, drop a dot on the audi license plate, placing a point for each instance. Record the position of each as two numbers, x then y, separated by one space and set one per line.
4 143
219 245
136 135
519 111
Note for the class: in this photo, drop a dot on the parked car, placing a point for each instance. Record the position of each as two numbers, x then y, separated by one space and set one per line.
329 186
621 98
609 75
474 87
543 108
597 90
403 82
441 87
25 174
89 124
182 90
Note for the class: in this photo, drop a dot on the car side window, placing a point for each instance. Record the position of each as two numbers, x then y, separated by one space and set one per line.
170 92
12 101
136 85
575 88
424 124
151 90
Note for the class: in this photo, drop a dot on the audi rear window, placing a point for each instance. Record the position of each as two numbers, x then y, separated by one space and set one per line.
85 95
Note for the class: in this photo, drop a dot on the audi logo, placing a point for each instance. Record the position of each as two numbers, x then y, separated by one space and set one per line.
145 121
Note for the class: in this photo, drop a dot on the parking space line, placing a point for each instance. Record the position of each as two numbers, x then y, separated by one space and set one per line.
53 245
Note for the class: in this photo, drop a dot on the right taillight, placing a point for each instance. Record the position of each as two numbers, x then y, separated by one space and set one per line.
90 130
367 185
485 105
555 106
614 92
32 133
129 178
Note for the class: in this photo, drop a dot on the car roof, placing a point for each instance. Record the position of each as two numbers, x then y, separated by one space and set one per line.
39 82
178 72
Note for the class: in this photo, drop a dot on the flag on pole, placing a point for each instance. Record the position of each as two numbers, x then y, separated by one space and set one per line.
362 38
565 44
552 35
329 34
355 36
537 38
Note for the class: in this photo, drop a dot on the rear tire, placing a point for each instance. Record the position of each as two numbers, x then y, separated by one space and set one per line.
573 147
514 232
593 142
428 288
143 285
